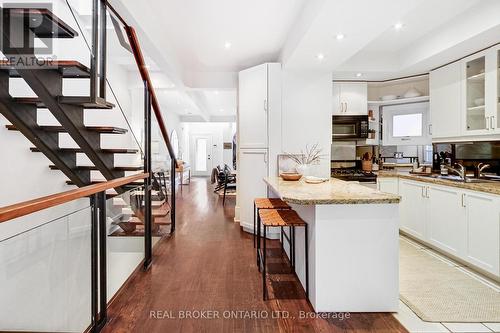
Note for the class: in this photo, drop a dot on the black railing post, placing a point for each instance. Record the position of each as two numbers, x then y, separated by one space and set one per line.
172 190
95 50
94 269
148 250
102 50
103 299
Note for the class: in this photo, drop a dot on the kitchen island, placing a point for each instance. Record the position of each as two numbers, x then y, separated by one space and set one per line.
353 244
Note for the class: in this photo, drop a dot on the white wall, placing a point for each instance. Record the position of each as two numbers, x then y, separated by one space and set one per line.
307 114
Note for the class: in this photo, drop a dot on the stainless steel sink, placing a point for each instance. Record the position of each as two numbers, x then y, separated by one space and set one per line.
467 179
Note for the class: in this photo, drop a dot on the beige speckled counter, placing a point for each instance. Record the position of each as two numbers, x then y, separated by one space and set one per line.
333 192
493 188
352 244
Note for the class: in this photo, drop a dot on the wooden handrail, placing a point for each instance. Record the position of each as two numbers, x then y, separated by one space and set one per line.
31 206
141 64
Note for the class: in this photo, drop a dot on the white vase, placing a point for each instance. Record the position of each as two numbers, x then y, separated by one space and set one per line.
304 169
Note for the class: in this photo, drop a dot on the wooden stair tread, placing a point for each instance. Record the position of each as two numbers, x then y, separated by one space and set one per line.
42 22
99 129
157 220
138 233
163 220
67 68
107 150
75 100
92 167
160 212
86 102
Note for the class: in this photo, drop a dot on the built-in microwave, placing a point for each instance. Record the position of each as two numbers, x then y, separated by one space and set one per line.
349 127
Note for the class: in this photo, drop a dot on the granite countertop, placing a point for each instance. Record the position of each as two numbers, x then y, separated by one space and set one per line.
333 192
493 188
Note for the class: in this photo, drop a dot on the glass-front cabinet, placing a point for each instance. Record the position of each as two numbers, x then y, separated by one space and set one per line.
481 93
475 94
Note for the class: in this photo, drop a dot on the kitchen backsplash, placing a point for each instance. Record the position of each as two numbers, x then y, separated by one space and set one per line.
470 154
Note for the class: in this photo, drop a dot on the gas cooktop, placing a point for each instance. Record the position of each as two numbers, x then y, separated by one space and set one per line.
354 175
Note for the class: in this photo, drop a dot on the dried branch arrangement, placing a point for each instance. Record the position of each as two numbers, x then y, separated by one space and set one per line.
309 156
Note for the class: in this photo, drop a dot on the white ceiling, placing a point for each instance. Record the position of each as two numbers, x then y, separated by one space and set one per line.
199 29
186 39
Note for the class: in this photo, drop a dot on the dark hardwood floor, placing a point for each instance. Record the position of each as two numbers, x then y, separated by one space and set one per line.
209 265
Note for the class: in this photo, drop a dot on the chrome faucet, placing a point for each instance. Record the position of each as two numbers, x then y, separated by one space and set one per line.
460 171
480 168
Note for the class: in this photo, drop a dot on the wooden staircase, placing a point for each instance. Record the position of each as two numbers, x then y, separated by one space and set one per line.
46 82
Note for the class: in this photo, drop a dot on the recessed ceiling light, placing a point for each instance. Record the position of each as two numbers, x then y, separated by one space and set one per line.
227 45
320 56
359 75
340 36
398 26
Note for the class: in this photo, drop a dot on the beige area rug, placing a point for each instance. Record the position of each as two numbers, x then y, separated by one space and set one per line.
439 292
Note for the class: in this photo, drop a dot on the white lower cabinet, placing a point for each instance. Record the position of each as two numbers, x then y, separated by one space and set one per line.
483 231
446 219
388 185
462 223
252 169
412 209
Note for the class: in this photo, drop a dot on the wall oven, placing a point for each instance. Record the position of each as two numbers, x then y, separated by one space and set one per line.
349 127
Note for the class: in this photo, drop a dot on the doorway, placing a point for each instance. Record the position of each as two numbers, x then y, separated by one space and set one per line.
202 155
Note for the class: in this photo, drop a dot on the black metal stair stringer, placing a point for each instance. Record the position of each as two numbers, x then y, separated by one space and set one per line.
24 118
47 85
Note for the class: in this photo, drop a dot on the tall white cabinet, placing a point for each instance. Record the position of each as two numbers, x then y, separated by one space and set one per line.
259 110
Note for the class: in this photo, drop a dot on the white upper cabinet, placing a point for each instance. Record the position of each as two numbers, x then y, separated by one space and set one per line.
465 97
259 105
494 108
445 103
350 98
252 107
475 94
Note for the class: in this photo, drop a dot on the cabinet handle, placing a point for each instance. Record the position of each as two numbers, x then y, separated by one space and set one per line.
430 129
488 123
265 105
341 107
265 157
427 195
463 199
492 122
423 189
